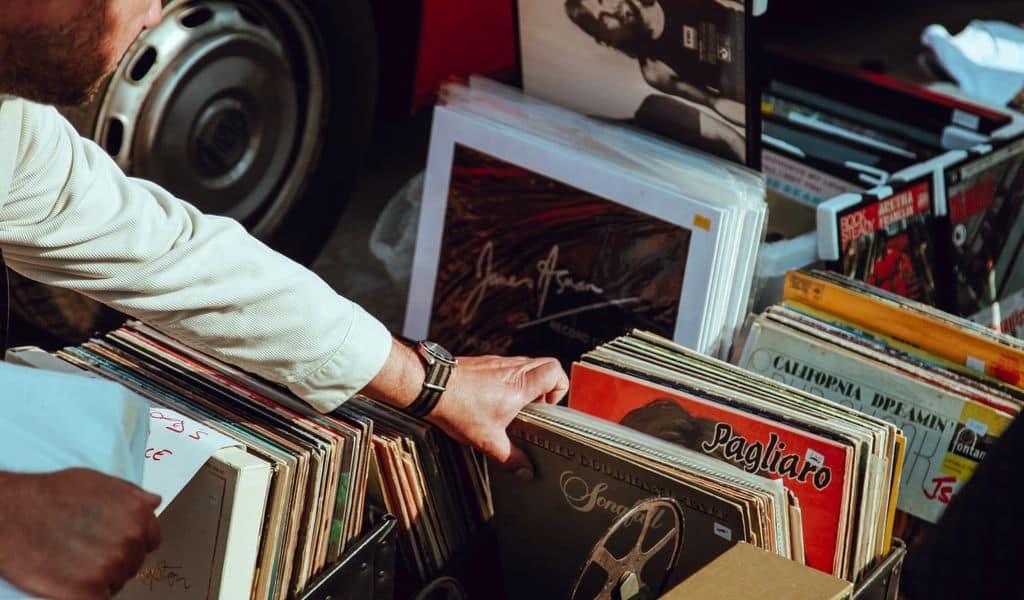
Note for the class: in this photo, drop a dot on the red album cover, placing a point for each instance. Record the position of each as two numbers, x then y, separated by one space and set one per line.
813 467
887 243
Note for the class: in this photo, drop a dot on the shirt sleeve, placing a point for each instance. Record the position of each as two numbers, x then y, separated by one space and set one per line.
72 219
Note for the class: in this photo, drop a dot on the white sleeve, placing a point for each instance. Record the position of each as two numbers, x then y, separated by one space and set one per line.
72 219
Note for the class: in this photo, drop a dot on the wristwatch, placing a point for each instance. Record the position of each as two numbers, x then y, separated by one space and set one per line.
439 364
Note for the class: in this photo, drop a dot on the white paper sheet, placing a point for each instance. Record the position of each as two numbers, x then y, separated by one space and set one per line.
54 421
175 451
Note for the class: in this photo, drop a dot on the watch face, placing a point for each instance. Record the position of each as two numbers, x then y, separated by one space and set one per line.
438 352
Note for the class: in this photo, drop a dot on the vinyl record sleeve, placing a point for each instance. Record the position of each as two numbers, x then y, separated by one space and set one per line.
970 345
680 68
813 467
526 247
879 101
983 231
946 434
576 496
884 238
788 171
844 157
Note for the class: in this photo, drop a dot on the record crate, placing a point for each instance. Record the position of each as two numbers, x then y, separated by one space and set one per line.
883 581
366 571
475 573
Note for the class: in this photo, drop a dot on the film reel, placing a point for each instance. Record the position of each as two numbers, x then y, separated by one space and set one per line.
624 575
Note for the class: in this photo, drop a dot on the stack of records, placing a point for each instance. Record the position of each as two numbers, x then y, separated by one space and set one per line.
829 129
950 384
612 512
331 474
545 233
917 192
841 464
948 232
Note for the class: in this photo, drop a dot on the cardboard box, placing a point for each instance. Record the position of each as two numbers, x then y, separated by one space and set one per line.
749 572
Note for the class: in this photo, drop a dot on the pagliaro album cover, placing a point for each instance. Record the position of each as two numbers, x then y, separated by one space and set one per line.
816 468
679 68
884 238
592 509
983 230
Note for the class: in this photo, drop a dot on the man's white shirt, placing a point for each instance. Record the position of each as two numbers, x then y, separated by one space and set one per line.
69 217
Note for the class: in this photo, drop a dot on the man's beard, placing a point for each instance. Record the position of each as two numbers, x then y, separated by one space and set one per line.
63 65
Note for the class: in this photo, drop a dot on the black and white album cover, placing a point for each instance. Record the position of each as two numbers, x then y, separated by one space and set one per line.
679 68
574 530
984 233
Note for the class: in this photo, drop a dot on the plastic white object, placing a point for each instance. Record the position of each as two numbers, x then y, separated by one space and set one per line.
393 240
986 59
775 260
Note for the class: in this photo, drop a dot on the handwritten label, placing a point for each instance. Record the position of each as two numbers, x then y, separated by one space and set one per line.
156 455
177 448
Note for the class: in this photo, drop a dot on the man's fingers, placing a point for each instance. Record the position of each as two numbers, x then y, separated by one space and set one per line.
546 382
518 463
561 389
127 570
151 500
509 456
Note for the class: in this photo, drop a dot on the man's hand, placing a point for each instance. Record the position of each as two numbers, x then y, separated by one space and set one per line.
486 393
483 395
75 534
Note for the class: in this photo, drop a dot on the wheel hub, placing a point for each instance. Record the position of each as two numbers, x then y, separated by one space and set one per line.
223 138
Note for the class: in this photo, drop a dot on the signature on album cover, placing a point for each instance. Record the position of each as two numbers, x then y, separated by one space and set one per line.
541 284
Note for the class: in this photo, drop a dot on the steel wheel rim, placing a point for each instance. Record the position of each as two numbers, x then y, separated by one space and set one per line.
223 103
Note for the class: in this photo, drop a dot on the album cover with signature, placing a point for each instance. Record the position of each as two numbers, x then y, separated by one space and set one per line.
547 234
531 266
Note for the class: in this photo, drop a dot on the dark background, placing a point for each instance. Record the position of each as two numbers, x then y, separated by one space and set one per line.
881 34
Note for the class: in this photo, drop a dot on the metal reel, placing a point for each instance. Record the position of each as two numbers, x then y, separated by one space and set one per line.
624 575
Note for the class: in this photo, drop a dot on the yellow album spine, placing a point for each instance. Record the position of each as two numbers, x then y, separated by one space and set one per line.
931 335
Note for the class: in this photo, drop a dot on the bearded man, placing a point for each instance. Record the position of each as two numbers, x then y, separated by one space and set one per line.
70 218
